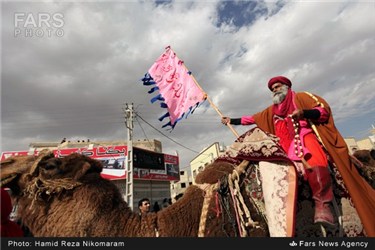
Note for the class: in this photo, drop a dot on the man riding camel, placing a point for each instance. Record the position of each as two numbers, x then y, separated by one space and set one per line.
308 135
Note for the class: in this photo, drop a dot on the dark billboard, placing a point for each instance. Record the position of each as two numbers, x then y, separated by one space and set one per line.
147 159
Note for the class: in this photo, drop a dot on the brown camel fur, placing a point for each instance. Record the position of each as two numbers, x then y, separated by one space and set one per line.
366 164
171 218
67 197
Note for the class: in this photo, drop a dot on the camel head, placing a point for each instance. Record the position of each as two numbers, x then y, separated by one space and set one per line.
21 172
74 166
16 171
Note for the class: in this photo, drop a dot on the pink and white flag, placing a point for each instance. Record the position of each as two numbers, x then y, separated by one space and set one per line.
178 91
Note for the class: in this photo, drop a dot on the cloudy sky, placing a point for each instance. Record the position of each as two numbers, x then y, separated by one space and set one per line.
72 77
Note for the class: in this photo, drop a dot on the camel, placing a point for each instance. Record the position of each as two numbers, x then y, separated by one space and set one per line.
67 197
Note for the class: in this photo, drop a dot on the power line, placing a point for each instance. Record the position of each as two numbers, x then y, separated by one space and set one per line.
137 115
144 133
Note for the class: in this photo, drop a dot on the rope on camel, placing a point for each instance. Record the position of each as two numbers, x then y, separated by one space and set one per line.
49 187
239 205
208 191
40 186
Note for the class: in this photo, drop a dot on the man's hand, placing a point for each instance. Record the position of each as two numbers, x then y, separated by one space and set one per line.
297 114
225 120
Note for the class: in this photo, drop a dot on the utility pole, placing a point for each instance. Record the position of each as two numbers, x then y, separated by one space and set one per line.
129 166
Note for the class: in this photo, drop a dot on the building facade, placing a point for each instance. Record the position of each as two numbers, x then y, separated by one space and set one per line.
365 143
197 165
178 187
205 157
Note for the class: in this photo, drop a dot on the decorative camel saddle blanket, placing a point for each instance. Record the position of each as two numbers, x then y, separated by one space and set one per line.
274 188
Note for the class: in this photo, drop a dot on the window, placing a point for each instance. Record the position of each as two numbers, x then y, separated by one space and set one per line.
194 173
183 185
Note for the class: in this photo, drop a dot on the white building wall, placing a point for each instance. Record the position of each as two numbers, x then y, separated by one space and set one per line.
365 144
206 156
352 144
179 187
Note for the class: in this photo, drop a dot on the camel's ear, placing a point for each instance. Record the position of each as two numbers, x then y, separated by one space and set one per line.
85 167
96 166
44 155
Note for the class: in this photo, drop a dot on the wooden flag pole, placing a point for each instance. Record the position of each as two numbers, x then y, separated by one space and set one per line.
241 168
221 115
243 165
212 104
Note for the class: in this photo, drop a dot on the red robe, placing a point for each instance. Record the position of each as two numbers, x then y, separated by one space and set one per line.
362 194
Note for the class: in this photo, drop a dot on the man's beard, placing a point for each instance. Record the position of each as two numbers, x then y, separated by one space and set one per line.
280 95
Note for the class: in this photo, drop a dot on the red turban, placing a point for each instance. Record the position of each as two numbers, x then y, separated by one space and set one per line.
280 79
